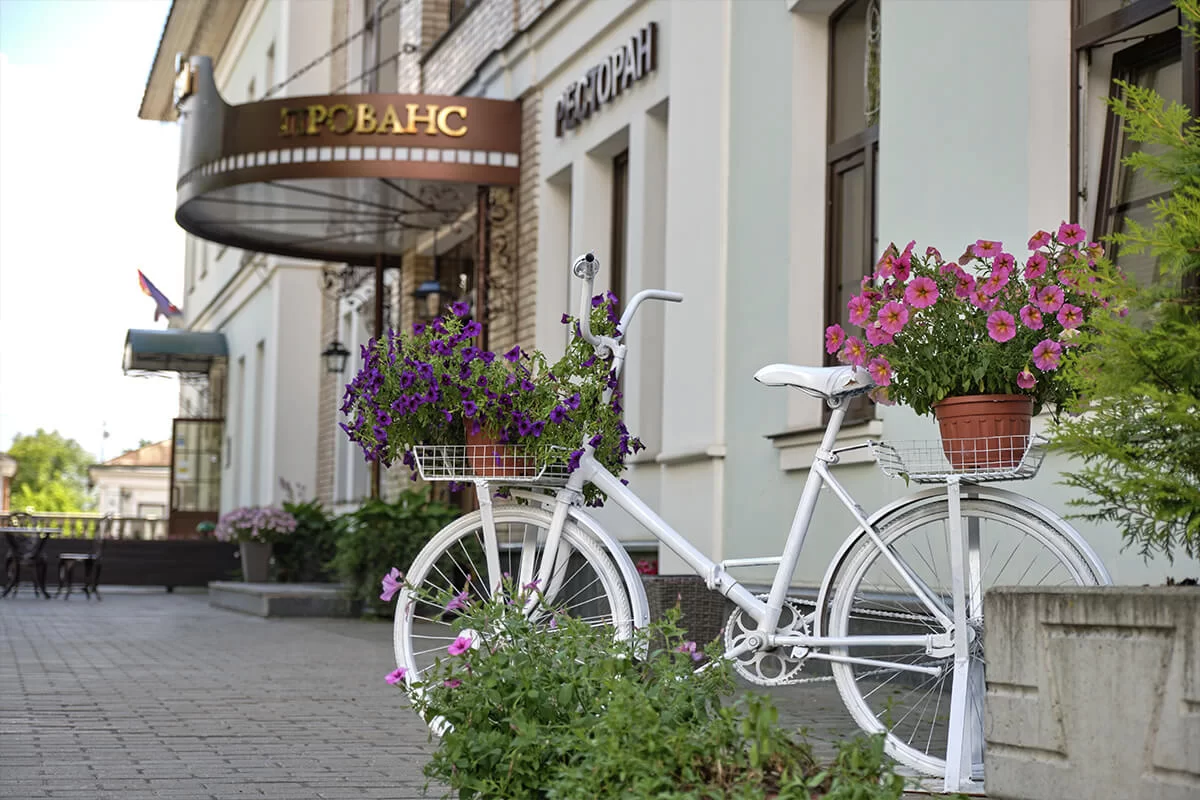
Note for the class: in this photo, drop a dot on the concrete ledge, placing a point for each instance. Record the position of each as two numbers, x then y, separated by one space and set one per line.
280 599
1093 693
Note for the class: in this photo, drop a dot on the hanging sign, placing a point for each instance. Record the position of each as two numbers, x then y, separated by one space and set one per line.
602 84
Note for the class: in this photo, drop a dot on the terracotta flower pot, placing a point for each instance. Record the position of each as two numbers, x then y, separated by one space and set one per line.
488 458
984 431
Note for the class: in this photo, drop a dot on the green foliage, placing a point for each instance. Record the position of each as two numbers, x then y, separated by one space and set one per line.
378 535
51 473
304 556
564 712
1140 438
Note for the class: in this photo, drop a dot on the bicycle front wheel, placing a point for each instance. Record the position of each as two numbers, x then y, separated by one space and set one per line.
1007 542
584 582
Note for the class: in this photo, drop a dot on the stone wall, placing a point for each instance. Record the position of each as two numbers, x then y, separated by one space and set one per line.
1093 693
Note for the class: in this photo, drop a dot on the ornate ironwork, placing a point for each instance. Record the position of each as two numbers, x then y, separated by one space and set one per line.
501 230
874 32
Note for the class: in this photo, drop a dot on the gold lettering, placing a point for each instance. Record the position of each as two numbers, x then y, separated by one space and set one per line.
460 112
390 122
285 123
429 118
366 119
317 114
341 108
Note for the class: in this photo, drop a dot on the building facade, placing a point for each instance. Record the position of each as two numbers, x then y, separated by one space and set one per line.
754 156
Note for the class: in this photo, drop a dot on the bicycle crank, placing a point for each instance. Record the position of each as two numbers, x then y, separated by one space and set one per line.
775 666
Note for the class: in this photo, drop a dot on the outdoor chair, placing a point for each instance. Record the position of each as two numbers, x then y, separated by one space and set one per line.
90 562
26 547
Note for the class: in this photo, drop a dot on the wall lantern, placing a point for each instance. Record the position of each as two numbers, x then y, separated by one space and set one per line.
335 357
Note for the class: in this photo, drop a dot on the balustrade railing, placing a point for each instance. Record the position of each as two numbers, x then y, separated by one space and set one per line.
82 525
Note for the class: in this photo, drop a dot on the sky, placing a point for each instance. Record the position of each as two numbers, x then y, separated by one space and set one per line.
87 198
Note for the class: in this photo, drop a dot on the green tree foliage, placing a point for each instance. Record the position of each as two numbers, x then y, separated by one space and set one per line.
1140 438
51 472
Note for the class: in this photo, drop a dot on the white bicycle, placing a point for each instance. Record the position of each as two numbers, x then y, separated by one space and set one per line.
899 613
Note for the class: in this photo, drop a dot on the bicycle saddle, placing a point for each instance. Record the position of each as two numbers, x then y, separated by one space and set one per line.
825 382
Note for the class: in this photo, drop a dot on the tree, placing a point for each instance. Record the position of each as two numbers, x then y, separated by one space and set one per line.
51 472
1139 439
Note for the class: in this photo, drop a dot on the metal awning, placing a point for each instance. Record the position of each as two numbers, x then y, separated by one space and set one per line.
172 350
343 178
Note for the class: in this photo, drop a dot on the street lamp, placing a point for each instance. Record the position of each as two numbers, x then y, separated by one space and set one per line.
335 356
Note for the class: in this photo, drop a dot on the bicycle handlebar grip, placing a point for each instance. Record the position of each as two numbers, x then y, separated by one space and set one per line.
586 266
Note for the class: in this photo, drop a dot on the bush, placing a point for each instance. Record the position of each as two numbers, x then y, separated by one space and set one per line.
379 534
305 556
562 710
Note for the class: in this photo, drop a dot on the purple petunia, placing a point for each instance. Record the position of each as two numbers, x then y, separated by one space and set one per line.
439 347
418 328
487 356
573 401
558 414
595 440
513 355
469 408
472 329
461 308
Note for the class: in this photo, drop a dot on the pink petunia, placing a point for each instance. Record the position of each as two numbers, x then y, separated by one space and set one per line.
982 301
689 648
886 266
396 675
835 336
965 286
880 395
860 310
877 335
921 293
934 253
903 264
1070 316
1047 354
1004 261
1069 233
1025 379
893 317
854 352
392 583
1067 279
1035 267
984 248
1031 318
1050 299
1001 326
460 645
996 281
458 601
1039 240
453 683
881 371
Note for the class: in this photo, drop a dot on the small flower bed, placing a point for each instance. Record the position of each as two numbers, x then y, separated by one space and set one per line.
435 385
985 324
255 524
548 706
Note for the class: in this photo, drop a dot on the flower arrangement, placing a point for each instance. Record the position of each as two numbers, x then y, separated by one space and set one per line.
254 524
985 324
436 386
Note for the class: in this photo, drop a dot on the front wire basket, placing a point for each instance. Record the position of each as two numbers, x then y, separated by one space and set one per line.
499 463
986 458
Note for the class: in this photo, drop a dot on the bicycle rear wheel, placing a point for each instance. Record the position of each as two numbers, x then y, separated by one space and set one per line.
1009 541
585 583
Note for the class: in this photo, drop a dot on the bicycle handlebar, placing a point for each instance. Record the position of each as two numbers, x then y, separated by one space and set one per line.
585 268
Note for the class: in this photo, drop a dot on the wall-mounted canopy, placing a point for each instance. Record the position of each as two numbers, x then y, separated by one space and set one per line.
341 178
172 350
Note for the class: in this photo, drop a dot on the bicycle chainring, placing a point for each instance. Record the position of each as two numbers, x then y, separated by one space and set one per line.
767 667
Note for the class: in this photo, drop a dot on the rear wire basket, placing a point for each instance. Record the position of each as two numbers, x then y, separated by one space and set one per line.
986 458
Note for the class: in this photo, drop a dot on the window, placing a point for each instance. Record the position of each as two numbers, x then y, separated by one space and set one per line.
458 8
852 157
620 223
1126 194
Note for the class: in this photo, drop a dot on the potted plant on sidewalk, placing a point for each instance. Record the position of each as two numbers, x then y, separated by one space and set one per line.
255 529
980 342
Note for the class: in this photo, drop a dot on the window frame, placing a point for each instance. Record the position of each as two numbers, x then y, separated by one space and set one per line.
864 145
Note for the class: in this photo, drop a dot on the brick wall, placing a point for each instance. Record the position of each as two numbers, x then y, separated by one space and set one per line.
484 29
527 216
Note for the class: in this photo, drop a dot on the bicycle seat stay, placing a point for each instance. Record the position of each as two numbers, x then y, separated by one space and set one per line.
829 383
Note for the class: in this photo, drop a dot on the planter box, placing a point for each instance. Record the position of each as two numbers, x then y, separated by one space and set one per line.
1093 693
281 599
160 562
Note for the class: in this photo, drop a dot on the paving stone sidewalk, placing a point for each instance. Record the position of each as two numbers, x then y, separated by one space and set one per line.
155 695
